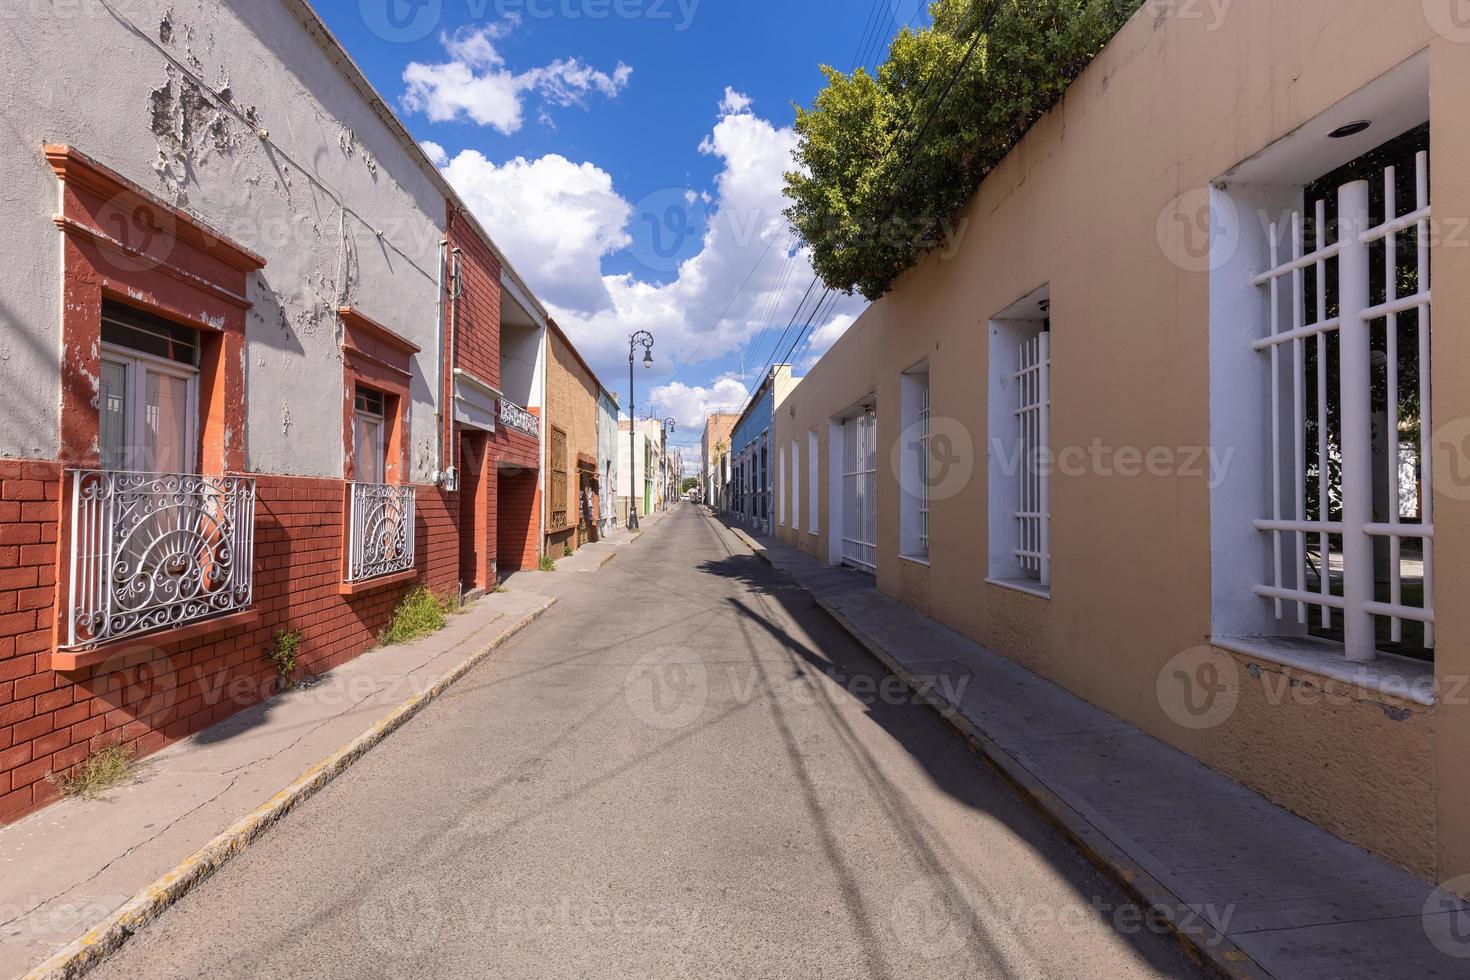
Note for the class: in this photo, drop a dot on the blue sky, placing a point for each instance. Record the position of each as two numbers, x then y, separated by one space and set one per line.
627 157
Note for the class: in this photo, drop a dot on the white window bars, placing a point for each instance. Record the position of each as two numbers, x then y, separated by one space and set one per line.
153 551
1033 418
381 531
922 434
860 491
1354 593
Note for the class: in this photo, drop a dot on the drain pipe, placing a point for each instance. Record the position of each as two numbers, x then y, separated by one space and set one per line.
439 397
456 288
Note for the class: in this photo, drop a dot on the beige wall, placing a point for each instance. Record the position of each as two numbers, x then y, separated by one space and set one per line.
1169 106
571 405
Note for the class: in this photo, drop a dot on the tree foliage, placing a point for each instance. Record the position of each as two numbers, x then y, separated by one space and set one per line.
885 164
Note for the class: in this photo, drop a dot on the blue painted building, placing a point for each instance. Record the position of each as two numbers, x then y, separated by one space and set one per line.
751 452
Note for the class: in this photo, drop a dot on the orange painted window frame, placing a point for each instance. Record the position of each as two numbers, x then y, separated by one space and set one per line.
121 243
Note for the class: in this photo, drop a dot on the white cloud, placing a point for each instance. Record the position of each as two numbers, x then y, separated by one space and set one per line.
555 220
691 406
435 152
476 84
824 337
734 102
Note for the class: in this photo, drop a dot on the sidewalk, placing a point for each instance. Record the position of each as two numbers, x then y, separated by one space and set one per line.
75 864
1254 890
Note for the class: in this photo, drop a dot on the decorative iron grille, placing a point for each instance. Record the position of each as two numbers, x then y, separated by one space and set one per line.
519 419
381 531
152 551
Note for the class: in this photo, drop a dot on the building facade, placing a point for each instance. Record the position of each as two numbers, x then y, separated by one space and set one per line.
607 459
752 499
1139 441
573 478
712 441
250 377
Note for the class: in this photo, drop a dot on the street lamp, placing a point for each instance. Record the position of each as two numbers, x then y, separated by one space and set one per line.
642 339
669 478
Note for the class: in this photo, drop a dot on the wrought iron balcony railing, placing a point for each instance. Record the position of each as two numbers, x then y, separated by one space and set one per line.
518 418
153 551
381 531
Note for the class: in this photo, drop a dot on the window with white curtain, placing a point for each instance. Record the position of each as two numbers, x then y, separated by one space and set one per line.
370 436
148 398
1020 444
812 480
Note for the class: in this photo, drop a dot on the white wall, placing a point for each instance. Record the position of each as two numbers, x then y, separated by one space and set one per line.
133 104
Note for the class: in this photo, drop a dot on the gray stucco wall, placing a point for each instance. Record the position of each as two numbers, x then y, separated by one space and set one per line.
156 90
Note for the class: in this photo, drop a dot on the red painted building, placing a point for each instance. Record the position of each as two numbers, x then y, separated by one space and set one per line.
245 397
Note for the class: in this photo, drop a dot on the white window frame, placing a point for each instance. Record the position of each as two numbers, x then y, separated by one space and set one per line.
813 478
913 469
360 417
795 485
1262 603
136 366
1020 446
860 472
780 489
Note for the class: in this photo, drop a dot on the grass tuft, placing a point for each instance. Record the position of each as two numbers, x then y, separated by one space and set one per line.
419 613
97 773
545 564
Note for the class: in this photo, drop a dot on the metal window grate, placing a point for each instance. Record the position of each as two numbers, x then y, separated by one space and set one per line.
922 490
860 491
152 551
1033 416
1347 581
381 530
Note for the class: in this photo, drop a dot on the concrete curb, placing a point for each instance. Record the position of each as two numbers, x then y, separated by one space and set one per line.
1200 941
107 937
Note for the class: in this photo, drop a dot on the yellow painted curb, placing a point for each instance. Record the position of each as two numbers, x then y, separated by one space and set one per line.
109 936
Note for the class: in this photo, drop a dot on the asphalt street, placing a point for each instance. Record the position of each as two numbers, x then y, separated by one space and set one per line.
684 769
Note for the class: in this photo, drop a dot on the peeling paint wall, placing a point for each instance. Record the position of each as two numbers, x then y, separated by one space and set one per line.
232 112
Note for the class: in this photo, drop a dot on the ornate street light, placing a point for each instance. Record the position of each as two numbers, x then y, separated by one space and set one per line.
642 339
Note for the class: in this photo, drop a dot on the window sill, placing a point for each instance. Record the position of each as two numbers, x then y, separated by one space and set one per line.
1022 585
915 559
1391 675
67 661
374 584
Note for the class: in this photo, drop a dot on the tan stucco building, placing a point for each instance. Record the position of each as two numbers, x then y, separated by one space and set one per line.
572 484
1108 308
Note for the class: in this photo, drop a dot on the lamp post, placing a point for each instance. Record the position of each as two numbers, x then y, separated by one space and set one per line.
670 481
642 339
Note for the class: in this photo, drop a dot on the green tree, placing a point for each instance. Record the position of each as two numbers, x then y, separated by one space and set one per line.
885 164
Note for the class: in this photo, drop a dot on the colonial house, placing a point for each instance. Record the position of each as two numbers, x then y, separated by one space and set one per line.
715 438
750 451
1170 425
573 477
262 372
607 459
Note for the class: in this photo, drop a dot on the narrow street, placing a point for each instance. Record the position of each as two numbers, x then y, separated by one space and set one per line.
684 769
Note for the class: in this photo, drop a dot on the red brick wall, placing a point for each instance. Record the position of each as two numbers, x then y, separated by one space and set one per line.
478 337
520 519
151 695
